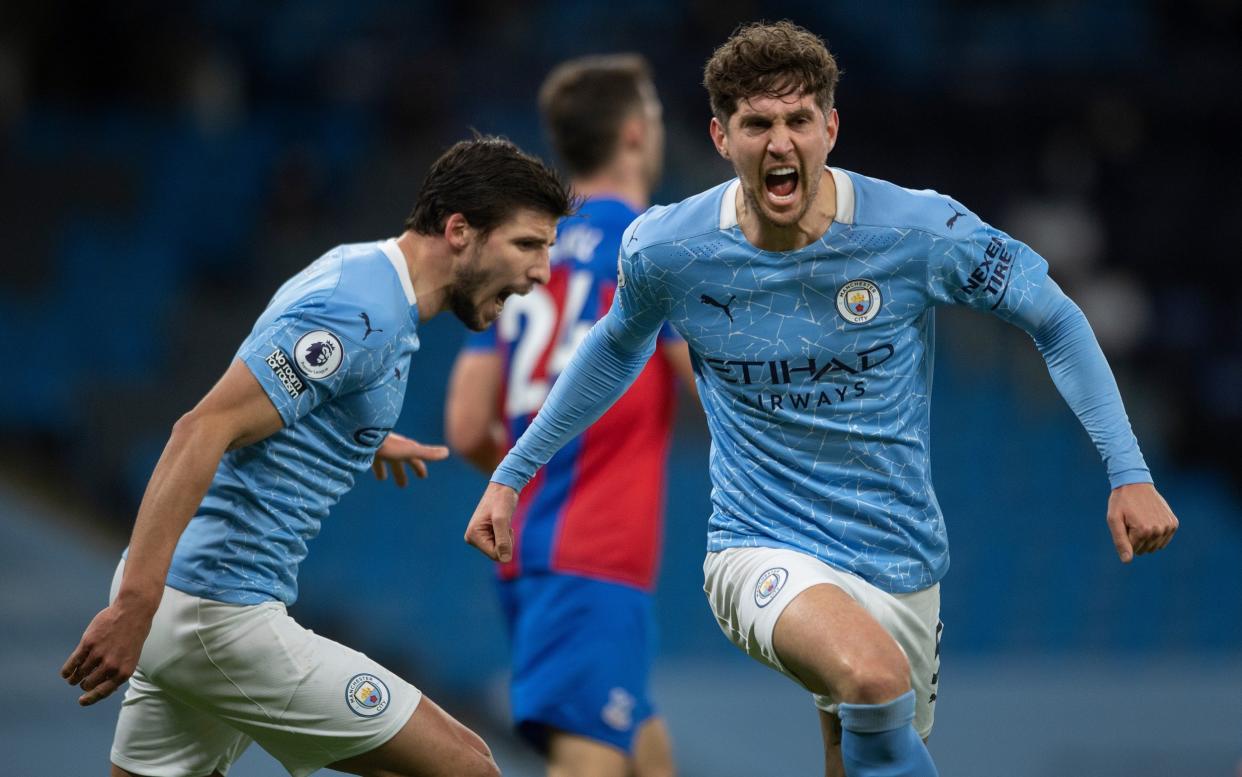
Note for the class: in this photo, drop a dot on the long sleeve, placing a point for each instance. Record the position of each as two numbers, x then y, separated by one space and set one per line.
1082 375
610 358
989 271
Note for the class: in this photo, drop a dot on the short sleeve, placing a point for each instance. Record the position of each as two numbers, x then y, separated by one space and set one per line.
301 359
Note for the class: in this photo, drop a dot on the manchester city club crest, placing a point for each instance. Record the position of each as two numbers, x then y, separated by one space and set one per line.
770 584
366 695
319 354
858 301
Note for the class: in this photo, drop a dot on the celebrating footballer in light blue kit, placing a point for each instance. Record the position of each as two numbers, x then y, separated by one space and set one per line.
197 618
807 296
343 329
814 367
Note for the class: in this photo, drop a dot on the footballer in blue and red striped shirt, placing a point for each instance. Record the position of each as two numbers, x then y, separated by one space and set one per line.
577 590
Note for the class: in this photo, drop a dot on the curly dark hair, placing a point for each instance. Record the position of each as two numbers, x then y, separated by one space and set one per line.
769 60
585 100
487 179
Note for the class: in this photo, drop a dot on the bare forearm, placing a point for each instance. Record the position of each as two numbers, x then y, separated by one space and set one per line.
485 451
176 489
485 458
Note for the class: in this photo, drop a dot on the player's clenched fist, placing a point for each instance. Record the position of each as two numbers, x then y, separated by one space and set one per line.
1139 520
107 654
491 528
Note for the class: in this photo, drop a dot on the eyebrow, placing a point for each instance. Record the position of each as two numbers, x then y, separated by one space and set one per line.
533 240
801 112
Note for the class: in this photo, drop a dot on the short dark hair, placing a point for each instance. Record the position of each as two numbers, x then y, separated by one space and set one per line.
584 101
487 179
771 60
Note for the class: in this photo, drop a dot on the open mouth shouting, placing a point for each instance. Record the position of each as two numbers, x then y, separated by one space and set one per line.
781 185
507 292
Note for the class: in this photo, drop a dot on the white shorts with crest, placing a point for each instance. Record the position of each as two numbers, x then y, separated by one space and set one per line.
749 588
214 677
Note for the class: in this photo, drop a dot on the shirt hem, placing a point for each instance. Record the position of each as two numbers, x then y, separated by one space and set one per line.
717 543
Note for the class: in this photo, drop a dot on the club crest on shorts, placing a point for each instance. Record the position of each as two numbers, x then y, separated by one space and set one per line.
858 301
318 354
618 713
366 695
770 584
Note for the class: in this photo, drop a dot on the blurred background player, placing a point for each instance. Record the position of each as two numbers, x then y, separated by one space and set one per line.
249 474
577 593
806 294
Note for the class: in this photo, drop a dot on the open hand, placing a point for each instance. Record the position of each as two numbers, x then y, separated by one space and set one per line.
1140 520
398 451
491 527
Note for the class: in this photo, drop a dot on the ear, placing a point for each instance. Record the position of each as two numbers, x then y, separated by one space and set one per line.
720 138
833 127
458 232
633 133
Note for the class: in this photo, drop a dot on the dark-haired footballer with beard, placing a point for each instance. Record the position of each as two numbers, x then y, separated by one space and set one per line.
807 294
197 620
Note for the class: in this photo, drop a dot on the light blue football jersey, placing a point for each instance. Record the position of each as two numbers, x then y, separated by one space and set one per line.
332 350
815 366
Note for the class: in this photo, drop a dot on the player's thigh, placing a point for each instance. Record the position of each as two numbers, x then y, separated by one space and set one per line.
581 657
431 744
913 620
653 750
793 613
837 648
573 755
307 700
159 734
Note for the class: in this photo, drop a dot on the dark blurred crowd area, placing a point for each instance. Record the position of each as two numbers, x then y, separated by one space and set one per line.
163 167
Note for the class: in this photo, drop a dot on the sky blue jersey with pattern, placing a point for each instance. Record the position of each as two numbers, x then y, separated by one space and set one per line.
814 367
332 351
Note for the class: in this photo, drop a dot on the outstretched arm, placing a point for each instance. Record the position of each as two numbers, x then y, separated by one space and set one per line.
1139 519
604 366
236 412
988 270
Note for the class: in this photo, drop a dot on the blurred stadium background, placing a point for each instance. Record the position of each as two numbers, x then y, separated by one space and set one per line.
163 166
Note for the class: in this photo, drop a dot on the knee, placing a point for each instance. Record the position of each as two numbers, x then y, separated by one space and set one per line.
481 766
876 681
484 765
488 768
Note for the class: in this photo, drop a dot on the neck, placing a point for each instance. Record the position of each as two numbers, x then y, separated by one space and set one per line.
814 223
624 183
431 270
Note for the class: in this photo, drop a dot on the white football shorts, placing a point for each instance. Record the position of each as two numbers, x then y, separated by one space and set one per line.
214 677
749 588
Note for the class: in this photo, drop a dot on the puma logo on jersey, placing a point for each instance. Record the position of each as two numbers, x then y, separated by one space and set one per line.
707 300
367 320
953 219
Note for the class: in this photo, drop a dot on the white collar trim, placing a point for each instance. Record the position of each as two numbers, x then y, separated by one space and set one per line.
845 200
845 196
728 206
397 260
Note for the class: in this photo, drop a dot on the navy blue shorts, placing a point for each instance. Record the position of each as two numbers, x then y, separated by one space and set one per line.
581 656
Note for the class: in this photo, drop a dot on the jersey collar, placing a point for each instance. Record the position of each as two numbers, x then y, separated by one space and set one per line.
397 260
845 200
